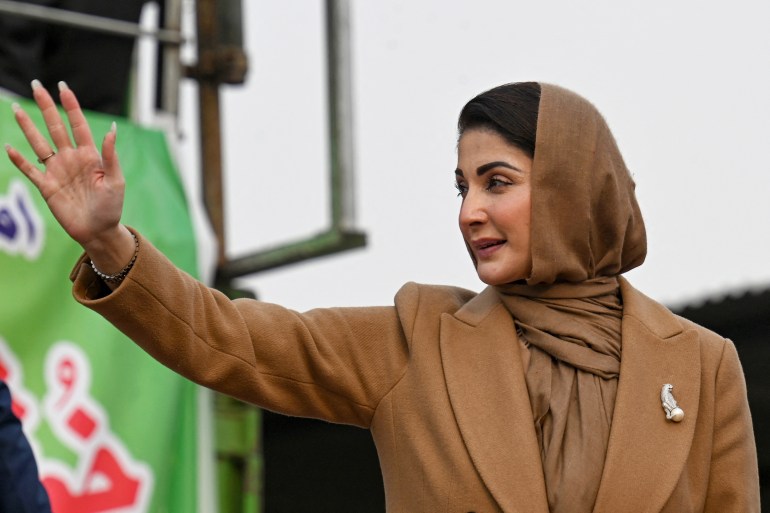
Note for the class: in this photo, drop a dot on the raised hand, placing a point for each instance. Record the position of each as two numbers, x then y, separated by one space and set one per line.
83 188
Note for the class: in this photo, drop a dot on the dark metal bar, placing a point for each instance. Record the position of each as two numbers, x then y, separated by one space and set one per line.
324 244
86 21
210 123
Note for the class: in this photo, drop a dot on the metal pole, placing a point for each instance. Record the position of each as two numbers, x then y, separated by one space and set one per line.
172 66
86 21
210 125
340 92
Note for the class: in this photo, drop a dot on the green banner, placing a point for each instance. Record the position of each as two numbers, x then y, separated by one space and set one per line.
112 429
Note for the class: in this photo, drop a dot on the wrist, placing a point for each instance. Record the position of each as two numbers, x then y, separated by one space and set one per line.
116 278
112 251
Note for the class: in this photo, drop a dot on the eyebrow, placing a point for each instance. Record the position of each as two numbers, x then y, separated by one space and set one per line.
490 165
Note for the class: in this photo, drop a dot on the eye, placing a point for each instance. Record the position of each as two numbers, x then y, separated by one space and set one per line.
495 182
462 189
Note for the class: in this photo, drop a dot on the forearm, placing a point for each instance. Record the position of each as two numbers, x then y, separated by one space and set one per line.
334 364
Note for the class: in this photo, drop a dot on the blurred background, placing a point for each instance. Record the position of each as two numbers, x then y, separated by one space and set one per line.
257 128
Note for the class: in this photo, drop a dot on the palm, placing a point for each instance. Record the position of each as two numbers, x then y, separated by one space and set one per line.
80 194
83 189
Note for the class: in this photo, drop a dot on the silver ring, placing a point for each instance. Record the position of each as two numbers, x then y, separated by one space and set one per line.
42 160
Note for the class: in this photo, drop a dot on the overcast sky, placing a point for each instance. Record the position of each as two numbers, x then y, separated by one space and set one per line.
685 87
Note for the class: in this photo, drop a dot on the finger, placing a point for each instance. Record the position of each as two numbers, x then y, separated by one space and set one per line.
53 120
36 140
109 154
30 171
81 132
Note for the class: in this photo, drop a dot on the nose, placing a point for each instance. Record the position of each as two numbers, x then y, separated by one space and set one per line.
472 211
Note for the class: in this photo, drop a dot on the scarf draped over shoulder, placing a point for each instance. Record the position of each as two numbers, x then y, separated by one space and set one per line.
586 228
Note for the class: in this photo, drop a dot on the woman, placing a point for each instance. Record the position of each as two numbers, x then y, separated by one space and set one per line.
548 391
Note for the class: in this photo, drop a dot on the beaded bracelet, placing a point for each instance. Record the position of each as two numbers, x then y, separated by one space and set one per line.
120 275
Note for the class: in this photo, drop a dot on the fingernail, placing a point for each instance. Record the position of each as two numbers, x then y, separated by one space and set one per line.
114 128
36 84
7 147
16 107
63 86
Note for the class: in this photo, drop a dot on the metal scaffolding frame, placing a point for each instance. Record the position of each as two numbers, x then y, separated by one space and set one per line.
221 61
342 235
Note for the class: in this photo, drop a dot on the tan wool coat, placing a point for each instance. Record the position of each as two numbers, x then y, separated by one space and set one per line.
438 380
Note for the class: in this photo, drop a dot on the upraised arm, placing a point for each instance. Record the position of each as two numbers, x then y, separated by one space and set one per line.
83 188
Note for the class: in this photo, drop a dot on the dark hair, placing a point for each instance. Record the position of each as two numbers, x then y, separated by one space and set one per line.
509 110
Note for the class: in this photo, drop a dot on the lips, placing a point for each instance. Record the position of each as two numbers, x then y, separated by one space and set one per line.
486 247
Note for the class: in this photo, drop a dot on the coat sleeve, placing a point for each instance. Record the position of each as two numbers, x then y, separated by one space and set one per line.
334 364
734 479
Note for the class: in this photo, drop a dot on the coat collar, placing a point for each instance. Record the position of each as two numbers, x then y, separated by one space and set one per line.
487 390
646 452
485 380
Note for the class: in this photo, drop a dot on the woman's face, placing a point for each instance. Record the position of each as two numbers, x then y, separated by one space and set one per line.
493 178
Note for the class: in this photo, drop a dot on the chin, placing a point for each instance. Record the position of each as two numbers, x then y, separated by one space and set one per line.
495 277
497 280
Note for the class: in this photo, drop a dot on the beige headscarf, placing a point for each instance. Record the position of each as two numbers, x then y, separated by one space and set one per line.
586 228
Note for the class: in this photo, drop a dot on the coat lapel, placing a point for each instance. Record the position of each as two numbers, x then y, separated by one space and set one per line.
485 381
646 452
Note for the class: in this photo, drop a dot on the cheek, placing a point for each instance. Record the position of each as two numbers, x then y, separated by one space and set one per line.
526 218
517 218
525 213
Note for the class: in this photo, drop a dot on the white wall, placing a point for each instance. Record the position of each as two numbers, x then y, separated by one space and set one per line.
684 85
